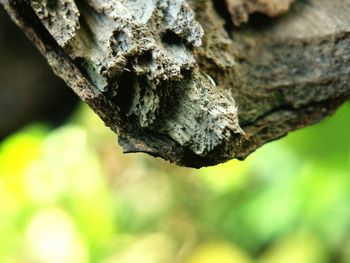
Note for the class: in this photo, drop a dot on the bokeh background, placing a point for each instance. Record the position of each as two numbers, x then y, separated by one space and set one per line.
69 195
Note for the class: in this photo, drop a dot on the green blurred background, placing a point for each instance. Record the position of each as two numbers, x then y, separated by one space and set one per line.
70 195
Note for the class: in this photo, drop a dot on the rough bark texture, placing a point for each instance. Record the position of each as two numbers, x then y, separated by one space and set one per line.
174 79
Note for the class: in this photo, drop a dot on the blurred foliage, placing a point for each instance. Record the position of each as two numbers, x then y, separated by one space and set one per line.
69 195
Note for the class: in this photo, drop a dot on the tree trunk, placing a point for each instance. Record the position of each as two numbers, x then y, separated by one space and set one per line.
177 80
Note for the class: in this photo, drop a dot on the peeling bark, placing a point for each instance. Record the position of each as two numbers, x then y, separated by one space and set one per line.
175 80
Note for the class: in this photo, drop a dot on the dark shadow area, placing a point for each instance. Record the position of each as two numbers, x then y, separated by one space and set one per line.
170 38
259 21
29 89
221 8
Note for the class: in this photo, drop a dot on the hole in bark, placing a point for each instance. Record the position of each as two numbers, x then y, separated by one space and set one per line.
170 38
126 89
186 73
146 58
260 21
120 42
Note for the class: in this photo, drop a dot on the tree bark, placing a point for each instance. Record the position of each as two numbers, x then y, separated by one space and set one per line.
177 80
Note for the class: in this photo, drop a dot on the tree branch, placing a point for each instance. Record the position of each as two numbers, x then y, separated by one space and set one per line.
176 80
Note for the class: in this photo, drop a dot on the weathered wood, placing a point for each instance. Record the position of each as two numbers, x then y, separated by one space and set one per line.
175 79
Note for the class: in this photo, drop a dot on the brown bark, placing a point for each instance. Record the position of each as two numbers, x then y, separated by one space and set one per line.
176 80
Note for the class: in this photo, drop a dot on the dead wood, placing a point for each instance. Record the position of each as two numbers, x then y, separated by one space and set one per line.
175 79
